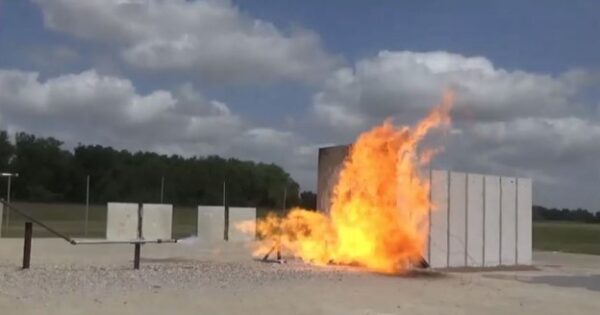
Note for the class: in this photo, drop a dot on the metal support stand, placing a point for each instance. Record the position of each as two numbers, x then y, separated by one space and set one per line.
27 245
138 246
136 256
274 248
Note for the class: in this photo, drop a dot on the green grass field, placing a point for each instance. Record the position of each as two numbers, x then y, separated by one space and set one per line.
567 237
69 219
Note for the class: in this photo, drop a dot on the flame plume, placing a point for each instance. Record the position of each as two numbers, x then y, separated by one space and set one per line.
379 207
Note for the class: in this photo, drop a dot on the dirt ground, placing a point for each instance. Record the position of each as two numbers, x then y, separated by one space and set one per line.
196 278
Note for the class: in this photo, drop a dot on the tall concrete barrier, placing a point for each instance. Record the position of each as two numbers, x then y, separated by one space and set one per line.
475 223
475 220
438 225
239 215
157 221
122 221
524 228
211 223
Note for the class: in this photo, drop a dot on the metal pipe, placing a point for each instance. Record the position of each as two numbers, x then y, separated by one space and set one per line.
138 241
27 245
30 218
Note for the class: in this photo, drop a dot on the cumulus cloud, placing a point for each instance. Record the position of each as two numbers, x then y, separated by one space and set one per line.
105 109
90 108
209 39
505 122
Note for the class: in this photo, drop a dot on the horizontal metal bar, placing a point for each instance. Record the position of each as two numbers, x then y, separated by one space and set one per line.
32 219
137 241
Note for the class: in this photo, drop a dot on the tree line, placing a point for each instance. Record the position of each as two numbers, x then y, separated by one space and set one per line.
577 215
50 173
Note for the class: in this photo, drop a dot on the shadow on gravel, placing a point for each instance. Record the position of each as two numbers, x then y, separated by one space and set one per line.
590 282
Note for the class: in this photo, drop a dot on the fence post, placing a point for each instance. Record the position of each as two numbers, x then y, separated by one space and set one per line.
27 245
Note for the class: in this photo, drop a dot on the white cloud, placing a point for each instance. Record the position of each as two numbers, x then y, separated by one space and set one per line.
90 108
208 39
105 109
505 122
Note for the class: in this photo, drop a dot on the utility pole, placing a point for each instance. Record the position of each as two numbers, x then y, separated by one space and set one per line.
87 204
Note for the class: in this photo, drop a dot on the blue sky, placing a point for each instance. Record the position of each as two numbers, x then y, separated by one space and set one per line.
273 80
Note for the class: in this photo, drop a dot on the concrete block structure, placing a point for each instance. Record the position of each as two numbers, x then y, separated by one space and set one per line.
211 223
157 221
238 215
122 221
476 220
330 164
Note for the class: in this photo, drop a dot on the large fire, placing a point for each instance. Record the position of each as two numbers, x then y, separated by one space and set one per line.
379 208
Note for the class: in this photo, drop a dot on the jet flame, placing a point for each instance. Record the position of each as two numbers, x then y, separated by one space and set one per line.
379 207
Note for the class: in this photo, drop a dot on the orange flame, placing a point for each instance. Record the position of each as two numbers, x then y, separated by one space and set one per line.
379 207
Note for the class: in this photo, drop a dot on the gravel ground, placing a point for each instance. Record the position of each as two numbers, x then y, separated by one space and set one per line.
224 279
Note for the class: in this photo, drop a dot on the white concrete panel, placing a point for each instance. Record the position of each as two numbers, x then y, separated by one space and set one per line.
157 221
524 228
457 220
491 214
475 220
211 223
508 214
438 233
122 221
238 215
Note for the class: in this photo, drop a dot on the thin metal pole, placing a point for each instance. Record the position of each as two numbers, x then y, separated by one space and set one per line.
284 197
8 201
87 204
8 188
27 245
162 189
226 206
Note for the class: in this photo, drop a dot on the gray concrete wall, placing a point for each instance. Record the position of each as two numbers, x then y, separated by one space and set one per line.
438 231
122 221
157 221
524 228
457 224
211 223
330 163
508 221
238 215
491 214
477 220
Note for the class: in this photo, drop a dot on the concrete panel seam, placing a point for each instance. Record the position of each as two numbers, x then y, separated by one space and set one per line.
483 223
516 220
500 223
429 220
466 218
448 220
